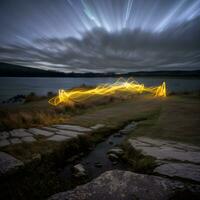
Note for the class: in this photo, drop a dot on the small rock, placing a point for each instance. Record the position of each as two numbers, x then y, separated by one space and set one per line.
36 156
112 157
79 170
114 162
97 126
117 151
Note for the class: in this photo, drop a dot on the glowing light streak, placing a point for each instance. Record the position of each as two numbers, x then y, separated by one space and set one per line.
71 97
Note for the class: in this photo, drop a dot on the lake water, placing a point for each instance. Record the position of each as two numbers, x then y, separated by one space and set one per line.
11 86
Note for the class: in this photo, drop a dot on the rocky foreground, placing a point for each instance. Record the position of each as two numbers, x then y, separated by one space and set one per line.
126 185
158 169
56 133
176 176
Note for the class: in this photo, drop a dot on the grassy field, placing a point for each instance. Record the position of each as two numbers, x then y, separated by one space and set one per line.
178 119
174 118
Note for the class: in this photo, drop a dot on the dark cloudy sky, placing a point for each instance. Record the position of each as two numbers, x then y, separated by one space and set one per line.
101 35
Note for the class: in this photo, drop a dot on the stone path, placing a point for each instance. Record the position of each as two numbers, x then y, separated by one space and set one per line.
56 133
126 185
175 159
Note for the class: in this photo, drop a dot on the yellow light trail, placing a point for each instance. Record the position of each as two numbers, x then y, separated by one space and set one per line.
73 96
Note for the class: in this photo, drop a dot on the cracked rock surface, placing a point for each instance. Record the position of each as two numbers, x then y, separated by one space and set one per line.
124 185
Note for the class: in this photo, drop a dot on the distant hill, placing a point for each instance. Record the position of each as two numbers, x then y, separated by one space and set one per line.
11 70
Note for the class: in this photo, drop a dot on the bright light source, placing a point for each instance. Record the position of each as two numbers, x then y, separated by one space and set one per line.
121 85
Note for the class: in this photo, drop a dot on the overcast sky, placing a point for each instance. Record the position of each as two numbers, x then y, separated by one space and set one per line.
101 35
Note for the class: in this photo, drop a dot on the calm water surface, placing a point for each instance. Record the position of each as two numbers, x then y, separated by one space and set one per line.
11 86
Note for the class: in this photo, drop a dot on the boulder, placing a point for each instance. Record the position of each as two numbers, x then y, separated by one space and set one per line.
124 185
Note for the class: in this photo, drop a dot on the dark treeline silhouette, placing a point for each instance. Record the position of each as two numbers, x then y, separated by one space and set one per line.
11 70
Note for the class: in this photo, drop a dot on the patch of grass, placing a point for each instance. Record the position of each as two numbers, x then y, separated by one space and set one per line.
28 119
36 111
177 119
137 161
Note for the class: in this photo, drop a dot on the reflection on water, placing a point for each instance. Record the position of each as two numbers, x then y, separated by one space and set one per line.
11 86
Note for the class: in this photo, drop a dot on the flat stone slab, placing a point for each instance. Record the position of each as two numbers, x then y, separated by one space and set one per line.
51 129
97 126
19 133
73 128
28 139
166 150
178 145
183 170
8 163
15 141
4 143
124 185
58 138
69 133
4 135
37 131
